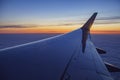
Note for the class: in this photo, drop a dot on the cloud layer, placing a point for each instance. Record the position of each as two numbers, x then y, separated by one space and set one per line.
101 20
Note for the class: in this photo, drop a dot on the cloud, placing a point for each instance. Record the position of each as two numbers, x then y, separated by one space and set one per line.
109 18
33 26
17 26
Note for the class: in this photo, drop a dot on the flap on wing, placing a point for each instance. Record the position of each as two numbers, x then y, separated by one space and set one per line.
100 51
112 68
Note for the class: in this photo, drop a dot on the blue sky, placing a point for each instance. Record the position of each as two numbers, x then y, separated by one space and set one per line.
39 11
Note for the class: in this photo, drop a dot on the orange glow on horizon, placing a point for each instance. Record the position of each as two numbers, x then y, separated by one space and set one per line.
96 29
34 30
105 32
62 30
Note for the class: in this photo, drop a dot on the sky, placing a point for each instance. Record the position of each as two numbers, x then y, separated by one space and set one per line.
58 16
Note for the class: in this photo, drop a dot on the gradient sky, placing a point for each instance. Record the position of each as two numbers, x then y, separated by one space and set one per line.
58 16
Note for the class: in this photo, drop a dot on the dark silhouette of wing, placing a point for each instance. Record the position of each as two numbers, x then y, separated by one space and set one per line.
56 58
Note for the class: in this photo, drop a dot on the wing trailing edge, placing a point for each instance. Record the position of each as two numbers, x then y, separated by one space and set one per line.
86 30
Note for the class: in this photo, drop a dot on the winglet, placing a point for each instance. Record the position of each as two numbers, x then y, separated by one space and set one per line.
86 30
89 23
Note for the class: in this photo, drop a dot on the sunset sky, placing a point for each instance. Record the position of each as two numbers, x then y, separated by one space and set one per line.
58 16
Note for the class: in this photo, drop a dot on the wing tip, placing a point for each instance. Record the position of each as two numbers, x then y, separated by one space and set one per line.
90 21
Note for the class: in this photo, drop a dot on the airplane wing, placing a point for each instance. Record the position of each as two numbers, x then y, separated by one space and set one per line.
70 56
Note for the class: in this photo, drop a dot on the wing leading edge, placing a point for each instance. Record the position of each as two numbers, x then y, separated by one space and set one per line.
57 58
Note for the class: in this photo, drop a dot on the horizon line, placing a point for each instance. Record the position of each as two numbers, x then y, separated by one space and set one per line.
50 32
